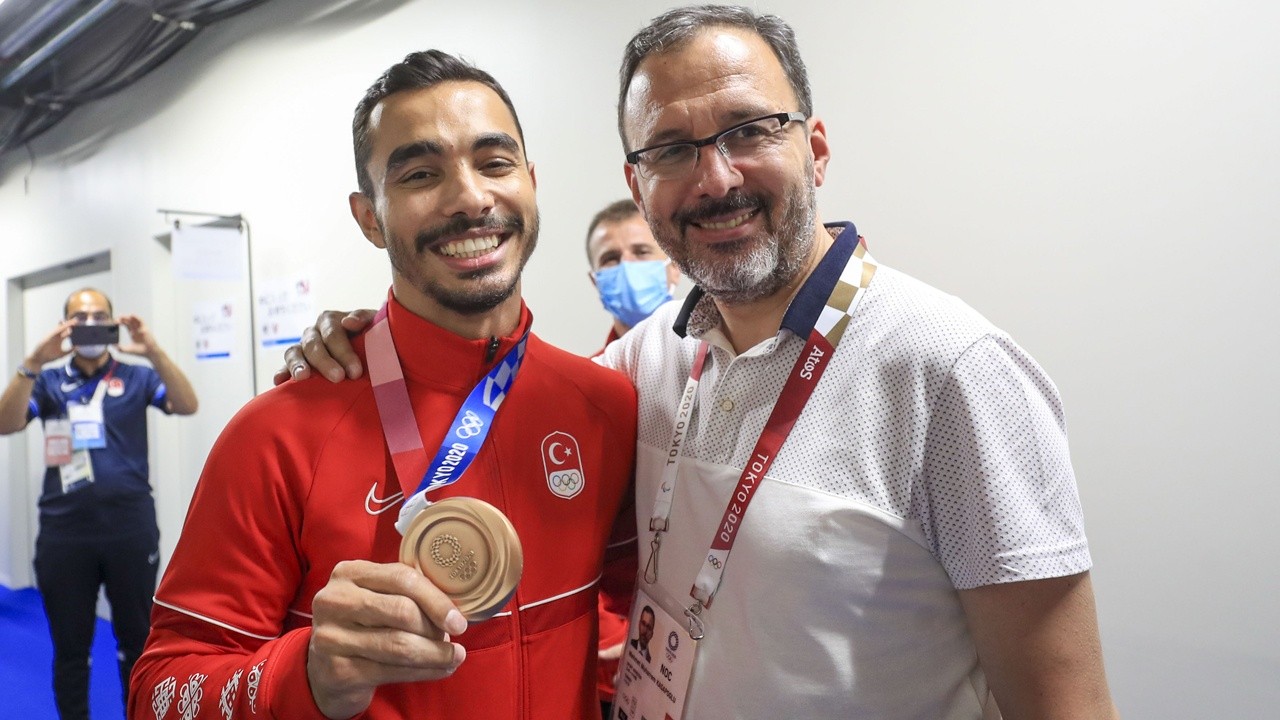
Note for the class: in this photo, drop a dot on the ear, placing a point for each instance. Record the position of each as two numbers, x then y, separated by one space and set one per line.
633 182
591 275
367 218
673 273
533 176
820 149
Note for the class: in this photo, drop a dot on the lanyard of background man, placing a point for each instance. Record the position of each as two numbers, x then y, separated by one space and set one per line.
466 433
88 394
84 411
823 338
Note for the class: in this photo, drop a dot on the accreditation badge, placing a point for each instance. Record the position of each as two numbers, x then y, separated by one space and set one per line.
88 432
78 473
468 549
57 442
657 662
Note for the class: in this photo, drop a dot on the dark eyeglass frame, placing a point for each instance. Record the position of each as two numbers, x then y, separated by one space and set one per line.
633 157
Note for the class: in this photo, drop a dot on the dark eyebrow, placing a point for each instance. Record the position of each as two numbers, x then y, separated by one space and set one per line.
403 154
499 140
408 152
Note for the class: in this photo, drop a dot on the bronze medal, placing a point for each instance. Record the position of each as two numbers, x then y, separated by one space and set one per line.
470 550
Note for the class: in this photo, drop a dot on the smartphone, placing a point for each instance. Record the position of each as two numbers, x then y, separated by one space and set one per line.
95 334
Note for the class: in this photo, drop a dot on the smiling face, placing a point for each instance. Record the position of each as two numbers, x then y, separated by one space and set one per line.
453 199
741 228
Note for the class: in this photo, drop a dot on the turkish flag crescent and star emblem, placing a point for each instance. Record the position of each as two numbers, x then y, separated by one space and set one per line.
561 460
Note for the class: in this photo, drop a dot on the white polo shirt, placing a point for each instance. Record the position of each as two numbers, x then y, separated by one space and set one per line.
931 457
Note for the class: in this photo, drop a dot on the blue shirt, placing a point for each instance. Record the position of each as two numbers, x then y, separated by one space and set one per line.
118 501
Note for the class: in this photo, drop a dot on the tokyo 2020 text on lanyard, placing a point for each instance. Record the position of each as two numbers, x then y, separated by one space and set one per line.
466 433
829 327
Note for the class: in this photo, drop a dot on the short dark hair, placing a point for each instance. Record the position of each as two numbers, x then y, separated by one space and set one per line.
418 71
66 304
674 29
616 211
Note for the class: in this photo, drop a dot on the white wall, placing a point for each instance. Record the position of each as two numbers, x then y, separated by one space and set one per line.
1099 178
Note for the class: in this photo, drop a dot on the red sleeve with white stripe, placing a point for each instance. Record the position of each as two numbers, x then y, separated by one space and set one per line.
222 640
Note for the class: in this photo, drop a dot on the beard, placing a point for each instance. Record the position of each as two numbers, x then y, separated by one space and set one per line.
752 268
474 292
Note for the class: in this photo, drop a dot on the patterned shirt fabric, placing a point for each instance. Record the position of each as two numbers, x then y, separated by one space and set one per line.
613 627
931 457
301 480
119 501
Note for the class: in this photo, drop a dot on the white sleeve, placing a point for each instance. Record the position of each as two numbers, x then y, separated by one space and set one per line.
997 499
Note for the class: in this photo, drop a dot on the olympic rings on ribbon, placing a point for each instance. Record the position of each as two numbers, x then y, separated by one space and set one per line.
470 426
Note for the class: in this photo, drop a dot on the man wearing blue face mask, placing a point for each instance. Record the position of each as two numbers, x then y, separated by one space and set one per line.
631 273
634 278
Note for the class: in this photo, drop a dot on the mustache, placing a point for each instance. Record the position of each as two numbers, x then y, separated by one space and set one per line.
712 207
461 224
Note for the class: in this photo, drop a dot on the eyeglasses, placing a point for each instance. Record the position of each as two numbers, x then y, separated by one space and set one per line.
744 141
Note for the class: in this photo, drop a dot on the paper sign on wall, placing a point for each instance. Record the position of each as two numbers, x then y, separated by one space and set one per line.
213 328
285 308
208 253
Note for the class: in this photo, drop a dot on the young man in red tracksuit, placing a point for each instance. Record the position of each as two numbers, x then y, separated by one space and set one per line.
284 597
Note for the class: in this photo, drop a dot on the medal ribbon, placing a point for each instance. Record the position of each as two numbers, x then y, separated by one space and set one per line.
466 434
827 331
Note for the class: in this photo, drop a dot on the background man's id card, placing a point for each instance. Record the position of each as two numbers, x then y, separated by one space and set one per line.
78 473
57 442
87 429
657 661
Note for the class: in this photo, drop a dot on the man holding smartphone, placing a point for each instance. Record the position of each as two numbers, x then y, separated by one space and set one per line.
97 516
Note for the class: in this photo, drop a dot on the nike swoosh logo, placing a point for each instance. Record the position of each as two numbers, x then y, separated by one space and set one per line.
375 505
69 387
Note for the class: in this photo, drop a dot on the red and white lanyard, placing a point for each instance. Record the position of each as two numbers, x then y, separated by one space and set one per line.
805 374
466 435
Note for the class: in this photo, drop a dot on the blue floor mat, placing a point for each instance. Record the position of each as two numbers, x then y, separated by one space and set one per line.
26 663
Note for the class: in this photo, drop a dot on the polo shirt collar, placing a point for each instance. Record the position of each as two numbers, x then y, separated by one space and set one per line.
74 372
698 315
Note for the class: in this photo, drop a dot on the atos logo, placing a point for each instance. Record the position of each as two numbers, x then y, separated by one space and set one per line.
563 464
